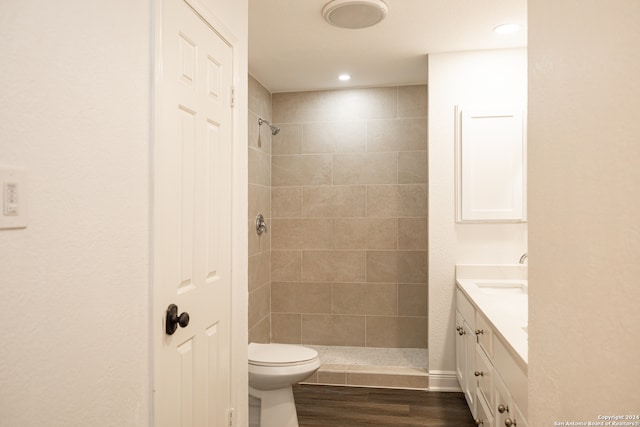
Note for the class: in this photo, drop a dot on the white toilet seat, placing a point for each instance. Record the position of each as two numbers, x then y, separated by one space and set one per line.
280 355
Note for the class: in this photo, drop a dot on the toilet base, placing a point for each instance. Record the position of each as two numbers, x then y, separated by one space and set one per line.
277 407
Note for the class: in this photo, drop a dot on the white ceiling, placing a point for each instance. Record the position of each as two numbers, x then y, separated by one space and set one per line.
292 48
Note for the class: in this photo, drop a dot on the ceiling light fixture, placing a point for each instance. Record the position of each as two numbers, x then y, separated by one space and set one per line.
344 77
354 14
506 28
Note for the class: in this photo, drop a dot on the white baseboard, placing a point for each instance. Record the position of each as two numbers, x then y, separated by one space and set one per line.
443 381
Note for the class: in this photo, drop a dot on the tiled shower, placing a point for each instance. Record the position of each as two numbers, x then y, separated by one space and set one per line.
344 189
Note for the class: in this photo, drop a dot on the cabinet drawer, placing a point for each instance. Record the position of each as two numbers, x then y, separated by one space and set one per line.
483 417
513 375
485 334
484 371
465 308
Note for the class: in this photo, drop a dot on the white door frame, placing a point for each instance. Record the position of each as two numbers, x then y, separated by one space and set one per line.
239 224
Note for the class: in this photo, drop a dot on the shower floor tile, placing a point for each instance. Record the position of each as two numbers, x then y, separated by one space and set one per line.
373 356
403 368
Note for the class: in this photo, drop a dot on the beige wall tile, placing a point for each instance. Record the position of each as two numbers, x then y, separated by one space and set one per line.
260 333
397 266
335 105
301 233
412 266
253 131
286 328
382 266
412 101
286 202
259 304
412 167
286 266
351 219
382 233
333 330
365 298
413 300
288 140
265 138
350 233
399 332
259 167
301 170
259 201
332 377
388 380
334 137
258 243
259 99
300 297
407 200
259 270
334 202
254 240
365 168
339 266
412 233
397 135
365 233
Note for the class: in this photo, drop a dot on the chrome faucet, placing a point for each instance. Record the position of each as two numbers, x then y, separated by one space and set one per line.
523 257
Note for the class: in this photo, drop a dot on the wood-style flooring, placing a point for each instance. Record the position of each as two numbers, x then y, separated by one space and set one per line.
329 406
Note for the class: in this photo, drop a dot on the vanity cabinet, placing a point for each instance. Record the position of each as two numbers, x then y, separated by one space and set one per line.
465 348
493 381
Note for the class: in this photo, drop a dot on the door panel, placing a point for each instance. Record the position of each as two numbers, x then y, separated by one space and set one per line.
192 221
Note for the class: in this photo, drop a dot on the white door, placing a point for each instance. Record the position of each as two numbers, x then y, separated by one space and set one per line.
192 221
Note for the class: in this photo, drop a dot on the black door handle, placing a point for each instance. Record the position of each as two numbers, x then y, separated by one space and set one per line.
173 320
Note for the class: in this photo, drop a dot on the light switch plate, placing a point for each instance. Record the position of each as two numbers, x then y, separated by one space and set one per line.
13 186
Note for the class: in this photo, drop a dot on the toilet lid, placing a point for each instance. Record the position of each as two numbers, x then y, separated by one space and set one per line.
279 354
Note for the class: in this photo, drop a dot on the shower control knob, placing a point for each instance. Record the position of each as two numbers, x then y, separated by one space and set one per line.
174 320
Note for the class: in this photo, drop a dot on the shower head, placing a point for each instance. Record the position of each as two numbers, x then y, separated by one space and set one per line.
274 129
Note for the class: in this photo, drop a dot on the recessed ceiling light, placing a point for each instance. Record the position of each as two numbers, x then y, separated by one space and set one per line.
354 14
506 29
344 77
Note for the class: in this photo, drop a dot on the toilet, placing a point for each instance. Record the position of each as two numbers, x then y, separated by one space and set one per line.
273 369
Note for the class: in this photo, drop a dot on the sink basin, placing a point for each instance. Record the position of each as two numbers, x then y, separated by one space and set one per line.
507 287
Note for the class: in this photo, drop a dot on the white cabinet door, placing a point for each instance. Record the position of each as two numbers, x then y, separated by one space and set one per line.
491 164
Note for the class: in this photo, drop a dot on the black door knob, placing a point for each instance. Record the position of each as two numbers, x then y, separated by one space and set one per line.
174 320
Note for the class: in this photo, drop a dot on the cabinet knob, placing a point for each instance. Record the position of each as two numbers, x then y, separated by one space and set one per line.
479 331
461 332
502 408
508 422
478 373
458 328
479 422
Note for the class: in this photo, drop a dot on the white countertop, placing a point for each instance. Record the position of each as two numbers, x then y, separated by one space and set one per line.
507 313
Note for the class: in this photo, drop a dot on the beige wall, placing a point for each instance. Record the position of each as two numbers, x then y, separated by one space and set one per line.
259 202
584 204
349 227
